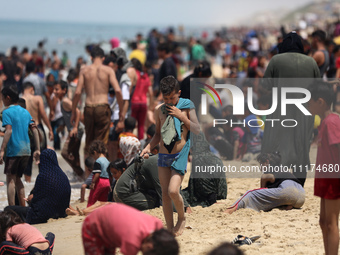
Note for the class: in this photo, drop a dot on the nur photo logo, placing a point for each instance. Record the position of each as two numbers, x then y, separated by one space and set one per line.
239 100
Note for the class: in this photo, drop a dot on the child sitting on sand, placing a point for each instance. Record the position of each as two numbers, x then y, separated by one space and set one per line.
89 163
116 168
18 237
100 185
278 188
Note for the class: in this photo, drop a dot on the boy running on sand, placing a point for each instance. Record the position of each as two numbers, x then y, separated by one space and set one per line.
174 118
327 181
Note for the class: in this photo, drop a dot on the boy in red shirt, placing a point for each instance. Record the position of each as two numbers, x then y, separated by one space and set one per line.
327 181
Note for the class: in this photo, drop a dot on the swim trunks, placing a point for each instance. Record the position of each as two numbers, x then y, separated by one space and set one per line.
165 160
97 119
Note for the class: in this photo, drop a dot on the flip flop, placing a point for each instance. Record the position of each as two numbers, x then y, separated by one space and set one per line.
241 240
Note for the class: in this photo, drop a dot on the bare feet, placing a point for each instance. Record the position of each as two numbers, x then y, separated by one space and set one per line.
288 207
179 228
71 212
188 210
230 210
81 212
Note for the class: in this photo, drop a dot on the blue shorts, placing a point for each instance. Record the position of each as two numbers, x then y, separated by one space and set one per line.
88 181
165 160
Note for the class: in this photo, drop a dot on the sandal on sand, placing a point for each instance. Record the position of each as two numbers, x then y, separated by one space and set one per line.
241 240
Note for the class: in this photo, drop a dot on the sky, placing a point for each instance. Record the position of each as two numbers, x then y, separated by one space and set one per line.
146 12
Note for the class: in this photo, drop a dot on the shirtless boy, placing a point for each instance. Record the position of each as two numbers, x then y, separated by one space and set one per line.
173 157
35 106
96 79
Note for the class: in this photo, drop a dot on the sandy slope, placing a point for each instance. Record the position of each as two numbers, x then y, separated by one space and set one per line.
282 232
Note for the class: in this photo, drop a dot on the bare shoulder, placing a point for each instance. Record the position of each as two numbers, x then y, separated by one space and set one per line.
37 99
67 103
106 68
85 68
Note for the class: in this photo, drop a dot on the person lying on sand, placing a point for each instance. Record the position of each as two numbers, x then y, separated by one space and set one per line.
278 188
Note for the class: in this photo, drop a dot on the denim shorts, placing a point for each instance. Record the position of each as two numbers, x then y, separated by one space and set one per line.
165 160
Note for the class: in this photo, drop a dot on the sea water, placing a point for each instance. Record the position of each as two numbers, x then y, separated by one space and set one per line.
72 37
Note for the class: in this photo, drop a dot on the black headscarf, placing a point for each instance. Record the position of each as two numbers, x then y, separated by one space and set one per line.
291 43
52 191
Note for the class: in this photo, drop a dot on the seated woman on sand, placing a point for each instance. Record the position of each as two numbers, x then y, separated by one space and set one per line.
278 188
51 194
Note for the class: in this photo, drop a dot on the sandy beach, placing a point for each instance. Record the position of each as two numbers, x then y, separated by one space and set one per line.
282 232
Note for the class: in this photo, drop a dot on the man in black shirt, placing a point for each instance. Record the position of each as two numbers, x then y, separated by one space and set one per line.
168 66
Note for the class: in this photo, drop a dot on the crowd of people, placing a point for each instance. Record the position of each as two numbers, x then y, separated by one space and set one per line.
151 91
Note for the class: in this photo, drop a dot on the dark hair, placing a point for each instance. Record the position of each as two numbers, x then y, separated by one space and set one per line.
48 77
319 35
226 249
8 219
133 45
321 89
97 52
169 84
108 59
164 243
30 67
118 164
89 162
28 85
202 69
164 47
130 123
72 74
54 52
51 83
56 63
336 49
25 50
151 130
137 64
97 146
14 51
11 92
274 158
22 103
63 85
